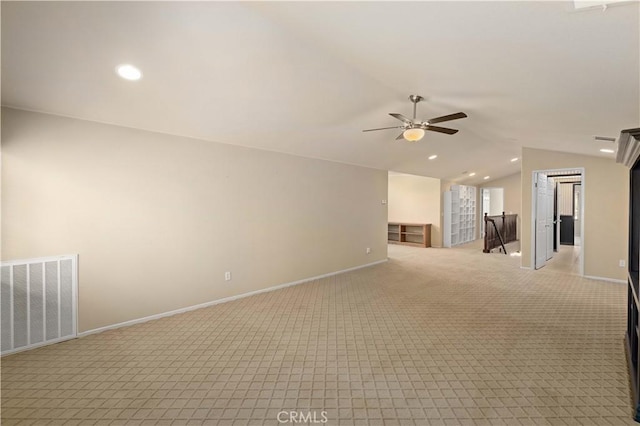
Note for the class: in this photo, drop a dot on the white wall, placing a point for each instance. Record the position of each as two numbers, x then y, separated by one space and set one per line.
416 199
496 206
158 219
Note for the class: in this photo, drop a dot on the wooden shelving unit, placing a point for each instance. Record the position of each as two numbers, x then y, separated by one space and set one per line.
409 234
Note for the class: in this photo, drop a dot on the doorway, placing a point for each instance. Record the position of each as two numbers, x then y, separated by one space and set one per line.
492 200
557 225
569 206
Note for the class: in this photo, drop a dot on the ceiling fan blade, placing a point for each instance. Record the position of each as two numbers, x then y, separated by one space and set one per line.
383 128
401 136
400 117
449 117
442 130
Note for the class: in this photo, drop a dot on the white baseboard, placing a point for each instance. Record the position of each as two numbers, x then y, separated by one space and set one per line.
38 345
591 277
223 300
611 280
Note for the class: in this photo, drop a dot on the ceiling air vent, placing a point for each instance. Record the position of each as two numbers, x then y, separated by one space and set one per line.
604 138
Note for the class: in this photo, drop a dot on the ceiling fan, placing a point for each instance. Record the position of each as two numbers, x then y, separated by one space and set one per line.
414 129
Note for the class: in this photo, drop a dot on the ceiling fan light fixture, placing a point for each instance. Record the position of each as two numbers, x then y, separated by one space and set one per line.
413 135
413 129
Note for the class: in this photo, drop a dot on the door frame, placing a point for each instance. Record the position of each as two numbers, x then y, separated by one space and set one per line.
550 208
573 205
534 179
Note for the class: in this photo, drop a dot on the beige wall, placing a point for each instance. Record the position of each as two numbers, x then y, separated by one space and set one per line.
512 186
158 219
606 199
416 199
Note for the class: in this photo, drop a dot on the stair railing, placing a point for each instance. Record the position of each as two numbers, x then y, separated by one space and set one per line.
502 231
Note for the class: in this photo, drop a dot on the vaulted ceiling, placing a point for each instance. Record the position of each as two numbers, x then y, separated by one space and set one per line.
307 77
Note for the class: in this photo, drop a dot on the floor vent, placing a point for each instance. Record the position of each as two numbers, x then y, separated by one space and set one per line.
38 302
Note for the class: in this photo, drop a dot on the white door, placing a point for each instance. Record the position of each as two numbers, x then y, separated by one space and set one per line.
541 219
549 218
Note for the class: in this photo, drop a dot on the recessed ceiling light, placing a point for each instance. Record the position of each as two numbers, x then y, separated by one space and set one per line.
433 157
472 174
129 72
513 160
486 177
607 150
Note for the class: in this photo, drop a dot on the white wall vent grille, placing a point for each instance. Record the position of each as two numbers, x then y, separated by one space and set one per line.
38 302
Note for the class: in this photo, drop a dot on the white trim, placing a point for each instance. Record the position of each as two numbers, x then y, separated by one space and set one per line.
12 302
59 277
611 280
28 304
37 260
628 147
223 300
44 302
74 294
37 345
525 267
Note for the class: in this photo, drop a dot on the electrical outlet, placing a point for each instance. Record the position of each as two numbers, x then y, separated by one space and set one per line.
384 202
622 263
227 276
368 250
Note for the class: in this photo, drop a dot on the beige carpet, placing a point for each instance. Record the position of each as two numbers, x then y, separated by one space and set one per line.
566 259
434 336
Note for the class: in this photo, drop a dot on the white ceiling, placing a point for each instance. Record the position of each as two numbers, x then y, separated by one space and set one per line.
306 77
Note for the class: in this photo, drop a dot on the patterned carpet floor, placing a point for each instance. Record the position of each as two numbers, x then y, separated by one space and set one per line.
431 337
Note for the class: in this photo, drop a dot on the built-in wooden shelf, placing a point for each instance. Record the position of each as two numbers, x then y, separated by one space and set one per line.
409 234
